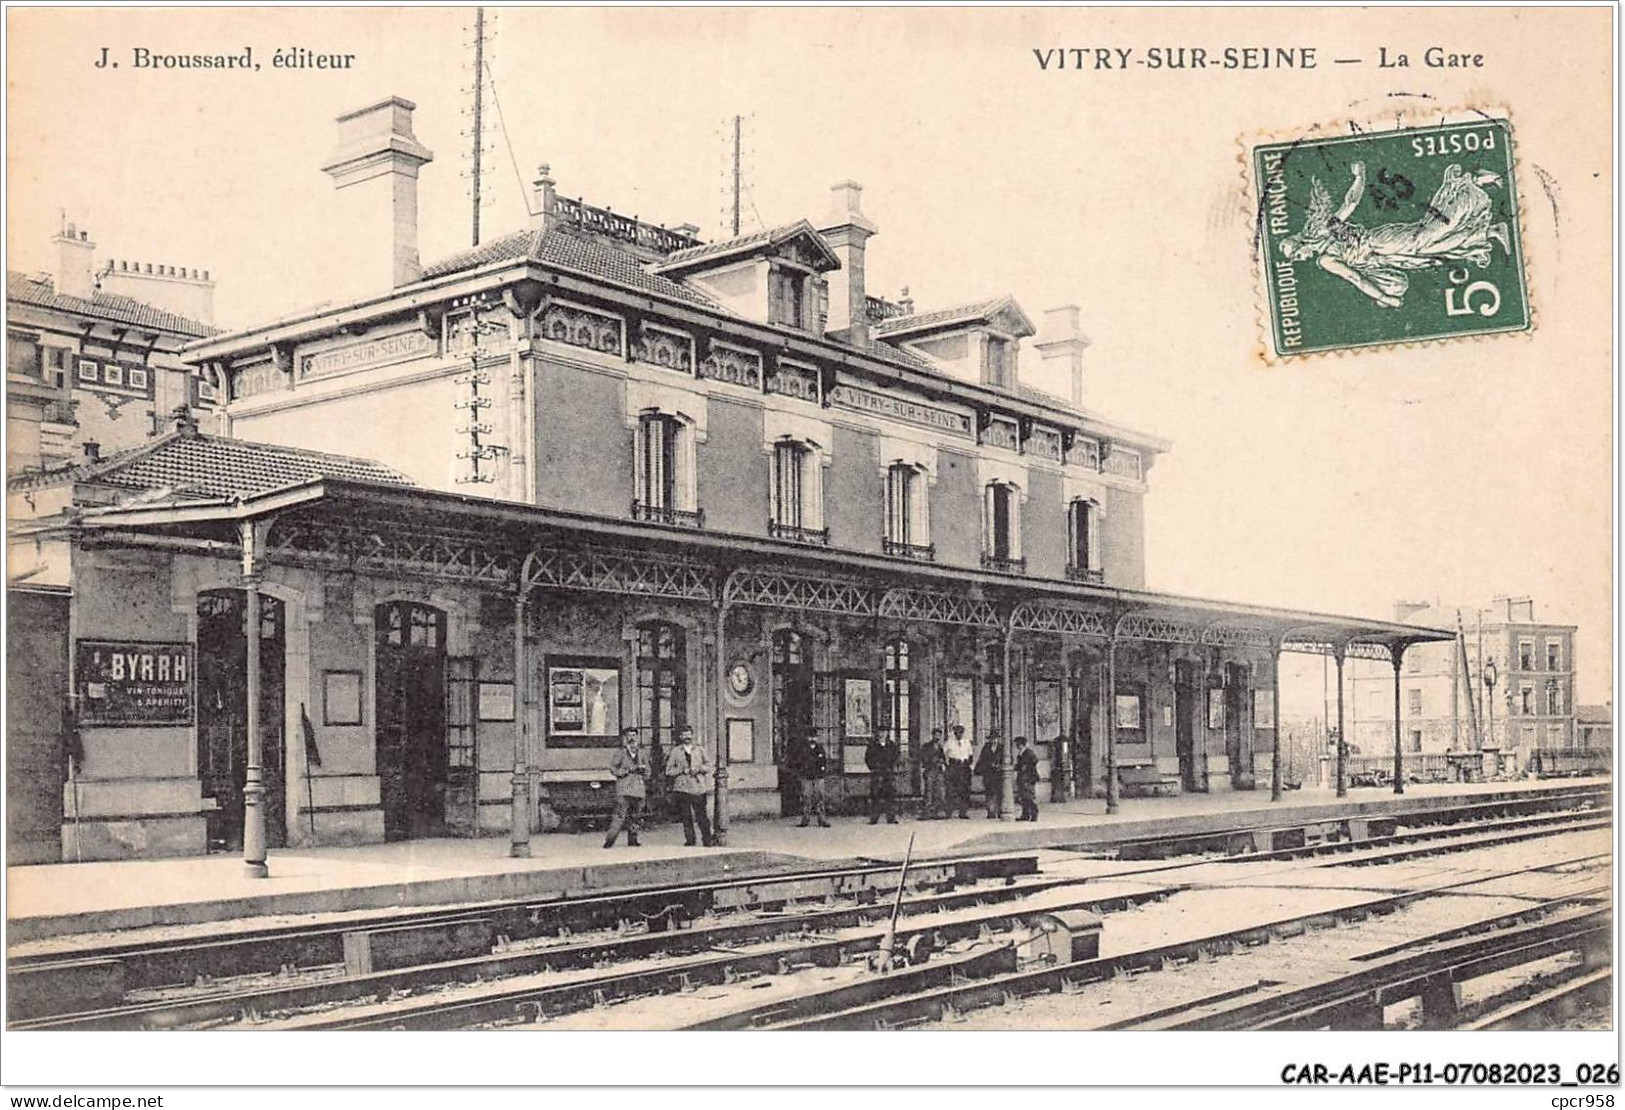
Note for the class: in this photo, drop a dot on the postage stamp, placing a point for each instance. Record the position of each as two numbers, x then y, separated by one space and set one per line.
1387 237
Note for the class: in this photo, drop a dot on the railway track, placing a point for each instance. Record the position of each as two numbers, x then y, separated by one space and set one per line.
338 964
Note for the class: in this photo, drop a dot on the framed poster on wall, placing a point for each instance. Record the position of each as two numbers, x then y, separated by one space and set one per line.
741 740
1215 708
341 697
583 698
496 701
858 709
130 683
1046 711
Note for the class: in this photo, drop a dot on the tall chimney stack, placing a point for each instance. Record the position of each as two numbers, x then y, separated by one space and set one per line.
847 229
1061 343
74 269
375 173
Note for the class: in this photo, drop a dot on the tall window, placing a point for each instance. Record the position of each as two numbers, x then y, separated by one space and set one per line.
1414 702
663 484
1002 528
662 690
1554 655
998 361
1554 699
1526 655
1526 700
906 518
795 496
1083 541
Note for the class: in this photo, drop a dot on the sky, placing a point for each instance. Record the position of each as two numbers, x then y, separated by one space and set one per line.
1455 472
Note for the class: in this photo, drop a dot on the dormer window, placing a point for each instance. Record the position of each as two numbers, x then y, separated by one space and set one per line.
999 361
787 298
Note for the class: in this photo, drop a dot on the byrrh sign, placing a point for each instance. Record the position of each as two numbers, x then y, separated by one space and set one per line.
126 683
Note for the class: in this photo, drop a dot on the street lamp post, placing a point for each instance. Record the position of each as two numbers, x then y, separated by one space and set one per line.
1490 675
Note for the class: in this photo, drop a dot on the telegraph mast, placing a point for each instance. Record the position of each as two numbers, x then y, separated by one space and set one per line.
478 129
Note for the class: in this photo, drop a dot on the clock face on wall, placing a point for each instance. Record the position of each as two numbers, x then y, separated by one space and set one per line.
739 679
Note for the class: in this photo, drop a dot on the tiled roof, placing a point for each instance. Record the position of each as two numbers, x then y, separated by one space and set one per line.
559 247
745 244
211 466
108 306
959 314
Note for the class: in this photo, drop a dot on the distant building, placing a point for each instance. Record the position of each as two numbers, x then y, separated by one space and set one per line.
1445 704
1596 727
92 353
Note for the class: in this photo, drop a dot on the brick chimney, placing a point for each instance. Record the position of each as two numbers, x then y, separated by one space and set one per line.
74 254
1061 343
185 422
847 229
375 173
544 191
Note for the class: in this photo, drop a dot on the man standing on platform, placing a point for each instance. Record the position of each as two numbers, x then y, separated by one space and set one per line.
881 759
989 765
1026 780
958 754
933 765
810 764
690 774
630 768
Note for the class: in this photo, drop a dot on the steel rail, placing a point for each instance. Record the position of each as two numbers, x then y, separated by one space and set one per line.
934 1004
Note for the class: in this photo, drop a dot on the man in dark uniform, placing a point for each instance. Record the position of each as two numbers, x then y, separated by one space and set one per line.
933 768
881 759
1026 780
810 764
990 765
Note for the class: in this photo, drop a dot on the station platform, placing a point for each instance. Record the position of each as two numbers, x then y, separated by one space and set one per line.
48 900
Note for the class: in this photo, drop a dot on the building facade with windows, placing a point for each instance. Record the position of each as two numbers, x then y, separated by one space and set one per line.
617 477
92 353
1447 704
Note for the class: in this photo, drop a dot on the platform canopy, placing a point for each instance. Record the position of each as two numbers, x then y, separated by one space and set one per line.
392 531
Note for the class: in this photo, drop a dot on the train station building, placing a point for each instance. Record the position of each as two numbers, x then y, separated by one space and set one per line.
481 514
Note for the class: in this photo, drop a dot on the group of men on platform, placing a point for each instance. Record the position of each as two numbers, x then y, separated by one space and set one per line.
946 766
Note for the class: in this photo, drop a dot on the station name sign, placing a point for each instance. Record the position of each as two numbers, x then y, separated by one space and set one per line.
900 408
366 354
125 683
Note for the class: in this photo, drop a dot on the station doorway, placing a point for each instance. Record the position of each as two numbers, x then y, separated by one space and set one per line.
1187 720
222 714
792 711
413 756
1083 691
1236 708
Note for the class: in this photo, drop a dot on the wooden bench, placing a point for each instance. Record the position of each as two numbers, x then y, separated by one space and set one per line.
1147 782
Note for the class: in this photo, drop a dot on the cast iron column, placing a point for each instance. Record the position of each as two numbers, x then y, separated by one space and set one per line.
719 819
1275 717
254 786
1007 786
1397 652
519 834
252 535
1111 725
1342 735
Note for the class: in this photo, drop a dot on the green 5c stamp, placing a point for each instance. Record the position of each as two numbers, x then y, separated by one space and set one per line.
1390 237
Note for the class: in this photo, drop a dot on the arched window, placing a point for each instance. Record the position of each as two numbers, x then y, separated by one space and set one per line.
796 495
908 520
1001 548
1083 541
663 483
